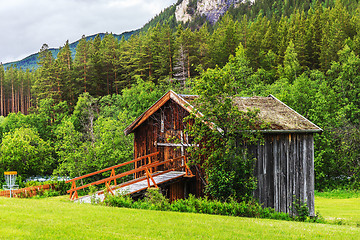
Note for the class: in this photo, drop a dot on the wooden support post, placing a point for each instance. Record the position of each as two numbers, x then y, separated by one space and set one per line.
74 194
152 179
108 188
112 175
149 162
182 143
147 178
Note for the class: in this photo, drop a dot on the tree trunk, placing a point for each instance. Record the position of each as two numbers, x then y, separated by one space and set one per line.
2 98
188 63
85 73
12 97
170 59
22 101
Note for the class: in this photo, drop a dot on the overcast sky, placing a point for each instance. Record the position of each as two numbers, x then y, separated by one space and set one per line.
25 25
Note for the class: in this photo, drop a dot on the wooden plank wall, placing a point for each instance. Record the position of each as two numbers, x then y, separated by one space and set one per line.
150 132
176 190
154 131
285 171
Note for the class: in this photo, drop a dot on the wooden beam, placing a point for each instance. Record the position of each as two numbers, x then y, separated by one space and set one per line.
175 144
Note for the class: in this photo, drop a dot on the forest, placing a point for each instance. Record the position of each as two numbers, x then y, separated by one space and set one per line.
67 117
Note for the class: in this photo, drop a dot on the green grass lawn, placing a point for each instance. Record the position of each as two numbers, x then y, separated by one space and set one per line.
339 210
57 218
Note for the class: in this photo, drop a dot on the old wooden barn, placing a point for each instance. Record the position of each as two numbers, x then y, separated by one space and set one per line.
285 162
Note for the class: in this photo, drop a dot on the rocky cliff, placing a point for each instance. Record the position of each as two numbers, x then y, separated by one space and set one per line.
212 9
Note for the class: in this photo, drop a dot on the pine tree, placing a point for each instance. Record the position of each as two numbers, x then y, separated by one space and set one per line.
298 36
109 56
256 41
82 65
97 84
2 98
225 40
291 66
135 54
11 76
202 47
45 84
244 31
282 39
313 37
184 54
28 79
337 29
164 47
65 85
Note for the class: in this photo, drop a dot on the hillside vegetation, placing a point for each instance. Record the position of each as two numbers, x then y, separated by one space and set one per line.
305 53
31 62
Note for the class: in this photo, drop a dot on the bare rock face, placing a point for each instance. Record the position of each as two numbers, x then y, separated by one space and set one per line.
181 12
212 9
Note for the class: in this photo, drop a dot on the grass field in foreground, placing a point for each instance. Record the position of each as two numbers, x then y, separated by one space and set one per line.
339 210
56 218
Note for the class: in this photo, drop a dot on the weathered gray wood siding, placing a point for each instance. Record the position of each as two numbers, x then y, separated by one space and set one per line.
285 171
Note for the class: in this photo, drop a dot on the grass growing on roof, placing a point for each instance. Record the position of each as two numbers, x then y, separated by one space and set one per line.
57 218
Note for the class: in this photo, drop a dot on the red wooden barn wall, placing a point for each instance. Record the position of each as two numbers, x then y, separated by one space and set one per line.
166 125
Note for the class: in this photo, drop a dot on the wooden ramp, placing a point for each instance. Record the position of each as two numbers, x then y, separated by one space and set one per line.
134 186
145 166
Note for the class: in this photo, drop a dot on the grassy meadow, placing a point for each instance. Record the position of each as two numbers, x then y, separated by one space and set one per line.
339 206
57 218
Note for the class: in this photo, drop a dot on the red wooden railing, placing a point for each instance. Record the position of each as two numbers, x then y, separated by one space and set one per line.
183 166
26 192
147 169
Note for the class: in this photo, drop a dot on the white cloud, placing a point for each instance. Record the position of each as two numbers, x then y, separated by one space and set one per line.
26 24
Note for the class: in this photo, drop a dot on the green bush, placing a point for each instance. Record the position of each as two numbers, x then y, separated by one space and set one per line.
154 200
301 210
46 193
62 187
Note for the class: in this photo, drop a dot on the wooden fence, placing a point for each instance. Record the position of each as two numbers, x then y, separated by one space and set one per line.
26 192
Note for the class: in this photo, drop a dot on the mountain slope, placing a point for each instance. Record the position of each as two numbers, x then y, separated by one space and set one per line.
30 62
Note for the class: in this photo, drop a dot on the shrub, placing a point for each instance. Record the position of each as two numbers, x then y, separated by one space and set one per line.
154 200
301 211
119 201
158 201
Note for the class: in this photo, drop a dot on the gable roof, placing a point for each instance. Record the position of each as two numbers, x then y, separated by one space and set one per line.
157 105
281 118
